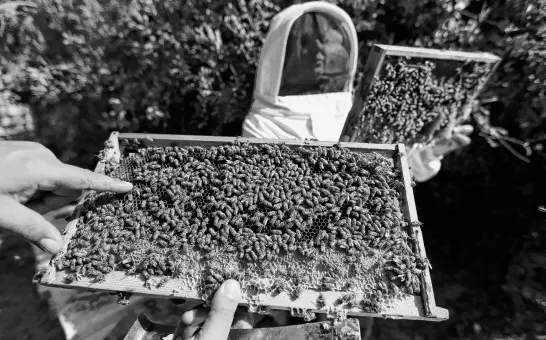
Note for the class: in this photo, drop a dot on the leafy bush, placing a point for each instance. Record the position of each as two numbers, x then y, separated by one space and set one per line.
181 67
88 67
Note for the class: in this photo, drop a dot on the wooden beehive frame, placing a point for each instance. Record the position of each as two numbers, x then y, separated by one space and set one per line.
374 66
421 307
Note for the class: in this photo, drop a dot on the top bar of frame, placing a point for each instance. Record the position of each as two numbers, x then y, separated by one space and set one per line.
437 54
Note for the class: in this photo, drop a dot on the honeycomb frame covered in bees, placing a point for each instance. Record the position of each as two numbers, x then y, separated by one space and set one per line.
326 279
415 95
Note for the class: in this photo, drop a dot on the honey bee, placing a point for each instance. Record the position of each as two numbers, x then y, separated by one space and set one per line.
99 278
71 278
279 286
296 292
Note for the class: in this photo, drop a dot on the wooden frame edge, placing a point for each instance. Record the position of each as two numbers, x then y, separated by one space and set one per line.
293 142
420 52
427 292
375 60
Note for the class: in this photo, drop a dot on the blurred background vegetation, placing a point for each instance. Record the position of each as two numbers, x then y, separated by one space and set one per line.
87 67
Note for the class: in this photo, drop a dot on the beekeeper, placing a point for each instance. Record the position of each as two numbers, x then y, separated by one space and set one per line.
304 84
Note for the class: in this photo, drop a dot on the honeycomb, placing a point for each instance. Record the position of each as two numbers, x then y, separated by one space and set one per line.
276 218
417 100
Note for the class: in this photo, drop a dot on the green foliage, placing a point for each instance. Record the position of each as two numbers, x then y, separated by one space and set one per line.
189 67
181 67
88 67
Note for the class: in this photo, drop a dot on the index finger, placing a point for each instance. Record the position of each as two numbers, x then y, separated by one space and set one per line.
72 177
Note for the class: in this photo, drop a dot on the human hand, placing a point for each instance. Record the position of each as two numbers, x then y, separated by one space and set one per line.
213 323
31 174
457 139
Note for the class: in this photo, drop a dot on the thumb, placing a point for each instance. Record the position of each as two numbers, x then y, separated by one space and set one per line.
463 129
222 310
28 224
461 139
442 147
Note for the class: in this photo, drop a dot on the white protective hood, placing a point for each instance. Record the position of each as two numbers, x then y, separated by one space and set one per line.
305 75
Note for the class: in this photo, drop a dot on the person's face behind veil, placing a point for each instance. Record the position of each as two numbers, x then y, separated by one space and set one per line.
317 57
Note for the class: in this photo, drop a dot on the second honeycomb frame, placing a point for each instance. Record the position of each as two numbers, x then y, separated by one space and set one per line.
375 64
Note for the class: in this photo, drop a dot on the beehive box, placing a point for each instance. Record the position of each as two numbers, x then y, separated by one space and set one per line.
209 209
415 95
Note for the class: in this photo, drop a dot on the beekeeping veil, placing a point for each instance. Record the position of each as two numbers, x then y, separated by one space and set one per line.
305 74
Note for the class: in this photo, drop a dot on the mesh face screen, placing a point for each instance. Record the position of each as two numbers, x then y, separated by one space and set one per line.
317 58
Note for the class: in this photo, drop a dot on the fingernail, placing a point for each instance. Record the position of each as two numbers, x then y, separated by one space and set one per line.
49 245
232 290
126 185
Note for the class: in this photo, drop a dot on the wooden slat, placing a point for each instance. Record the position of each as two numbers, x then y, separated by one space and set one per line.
418 52
204 141
427 292
371 72
407 307
487 79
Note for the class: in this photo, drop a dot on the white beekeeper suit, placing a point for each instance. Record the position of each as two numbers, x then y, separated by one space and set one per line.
423 163
305 75
304 81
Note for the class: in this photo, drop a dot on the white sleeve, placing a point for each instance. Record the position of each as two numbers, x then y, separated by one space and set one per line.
423 164
249 130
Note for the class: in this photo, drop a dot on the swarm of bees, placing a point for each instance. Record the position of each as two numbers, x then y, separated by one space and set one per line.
409 103
370 305
406 271
256 201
